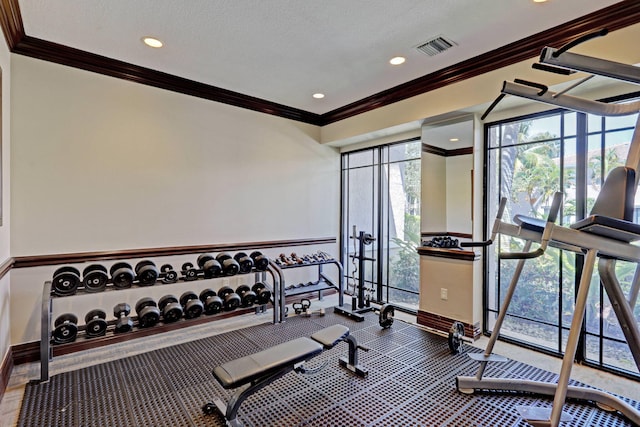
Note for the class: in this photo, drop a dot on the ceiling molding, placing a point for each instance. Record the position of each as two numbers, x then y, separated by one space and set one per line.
614 17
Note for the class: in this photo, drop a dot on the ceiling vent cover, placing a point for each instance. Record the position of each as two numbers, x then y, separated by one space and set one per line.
436 45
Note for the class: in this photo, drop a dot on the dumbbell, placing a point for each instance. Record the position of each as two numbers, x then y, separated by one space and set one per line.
170 308
260 261
247 296
209 265
212 302
147 273
245 261
230 299
148 312
168 274
65 281
230 266
193 307
189 272
96 325
263 295
122 275
95 278
121 313
65 328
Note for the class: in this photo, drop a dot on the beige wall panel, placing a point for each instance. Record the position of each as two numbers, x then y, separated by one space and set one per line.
5 135
459 196
433 203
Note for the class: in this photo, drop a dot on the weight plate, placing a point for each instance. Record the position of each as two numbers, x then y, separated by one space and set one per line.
65 333
456 333
212 268
94 267
172 312
148 316
206 293
66 269
242 289
258 286
230 267
122 277
245 262
193 309
232 301
203 258
147 275
66 318
96 328
143 263
170 276
222 256
385 318
95 280
66 282
260 261
187 266
248 298
144 302
166 267
263 296
213 305
96 313
187 296
119 265
165 300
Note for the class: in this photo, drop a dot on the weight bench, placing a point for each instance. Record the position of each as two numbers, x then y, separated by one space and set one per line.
252 373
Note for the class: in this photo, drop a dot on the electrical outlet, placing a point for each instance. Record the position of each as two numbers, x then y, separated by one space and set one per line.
444 294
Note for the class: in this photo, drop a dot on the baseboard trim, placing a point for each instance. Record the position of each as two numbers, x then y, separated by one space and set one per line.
443 324
5 372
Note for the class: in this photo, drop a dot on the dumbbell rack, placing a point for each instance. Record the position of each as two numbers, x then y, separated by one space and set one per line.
322 284
46 348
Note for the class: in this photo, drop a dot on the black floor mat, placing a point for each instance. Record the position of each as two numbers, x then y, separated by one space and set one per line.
411 382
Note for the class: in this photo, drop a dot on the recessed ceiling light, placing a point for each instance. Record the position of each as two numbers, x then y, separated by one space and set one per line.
539 1
152 42
397 60
318 95
454 139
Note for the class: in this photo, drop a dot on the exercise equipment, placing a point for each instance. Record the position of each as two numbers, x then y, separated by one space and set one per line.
247 296
302 306
209 266
121 312
189 272
146 273
148 312
260 261
263 294
604 236
251 373
386 315
244 261
168 274
65 328
230 266
65 281
444 242
122 275
456 338
213 304
193 307
170 308
231 300
96 325
95 278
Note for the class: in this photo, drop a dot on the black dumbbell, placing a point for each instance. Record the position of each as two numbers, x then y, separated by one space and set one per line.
122 275
96 323
170 308
147 273
230 299
247 296
168 274
260 261
263 294
148 312
230 266
245 262
193 307
65 328
213 304
95 278
65 281
121 312
209 265
189 272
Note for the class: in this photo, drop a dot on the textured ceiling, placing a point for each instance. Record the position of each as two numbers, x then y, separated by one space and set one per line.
283 51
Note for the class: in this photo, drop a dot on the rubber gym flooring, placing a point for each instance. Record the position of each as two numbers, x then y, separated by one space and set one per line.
411 382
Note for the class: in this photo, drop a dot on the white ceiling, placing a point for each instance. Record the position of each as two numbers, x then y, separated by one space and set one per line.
285 50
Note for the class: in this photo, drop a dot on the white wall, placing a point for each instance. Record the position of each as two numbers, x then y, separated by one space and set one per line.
459 194
104 164
433 203
5 326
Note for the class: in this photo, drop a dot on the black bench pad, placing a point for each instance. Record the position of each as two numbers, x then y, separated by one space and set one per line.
236 373
612 228
529 223
331 336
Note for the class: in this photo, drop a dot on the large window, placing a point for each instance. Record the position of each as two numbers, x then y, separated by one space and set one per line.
381 196
528 159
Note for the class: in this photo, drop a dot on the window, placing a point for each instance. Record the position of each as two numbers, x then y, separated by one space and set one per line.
528 159
381 196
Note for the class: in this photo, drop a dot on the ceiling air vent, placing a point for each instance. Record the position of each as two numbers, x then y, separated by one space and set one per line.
435 46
